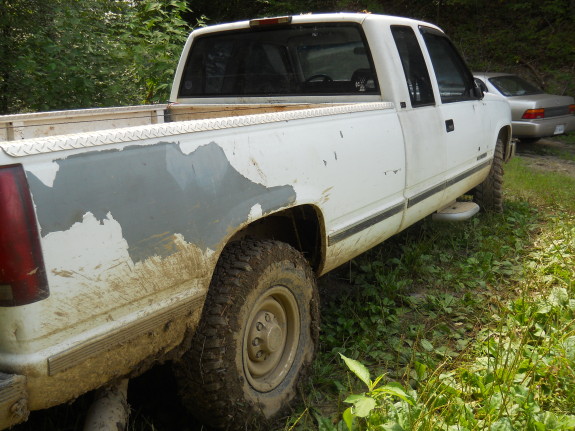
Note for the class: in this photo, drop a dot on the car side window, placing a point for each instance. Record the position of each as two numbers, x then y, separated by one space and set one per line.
414 67
453 77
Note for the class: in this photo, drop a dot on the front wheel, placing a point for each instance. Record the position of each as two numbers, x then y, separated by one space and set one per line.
257 337
489 194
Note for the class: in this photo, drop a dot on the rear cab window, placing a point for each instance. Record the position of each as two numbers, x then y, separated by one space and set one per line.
414 67
307 59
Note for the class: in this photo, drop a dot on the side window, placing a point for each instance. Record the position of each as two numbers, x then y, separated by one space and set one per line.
414 68
453 77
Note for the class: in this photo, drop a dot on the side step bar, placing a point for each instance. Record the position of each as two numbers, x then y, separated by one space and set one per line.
457 211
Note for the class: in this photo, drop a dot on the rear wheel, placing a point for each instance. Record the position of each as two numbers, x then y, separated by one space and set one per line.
257 337
489 194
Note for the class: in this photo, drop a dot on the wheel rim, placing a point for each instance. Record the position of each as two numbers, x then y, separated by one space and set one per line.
271 339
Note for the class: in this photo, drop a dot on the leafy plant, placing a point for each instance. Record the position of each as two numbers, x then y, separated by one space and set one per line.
363 404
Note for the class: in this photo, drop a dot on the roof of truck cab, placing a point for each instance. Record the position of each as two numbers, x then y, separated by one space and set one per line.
359 18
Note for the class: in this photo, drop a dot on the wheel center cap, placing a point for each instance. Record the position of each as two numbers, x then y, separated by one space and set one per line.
266 337
274 338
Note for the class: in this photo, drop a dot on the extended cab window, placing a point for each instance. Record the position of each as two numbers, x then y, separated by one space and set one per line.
414 68
299 59
453 77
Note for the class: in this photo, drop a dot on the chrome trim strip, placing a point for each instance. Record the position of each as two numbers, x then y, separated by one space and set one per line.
468 173
364 224
446 184
389 212
426 194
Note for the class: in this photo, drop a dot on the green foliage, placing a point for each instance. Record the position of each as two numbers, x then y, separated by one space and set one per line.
552 189
64 56
364 404
69 54
159 30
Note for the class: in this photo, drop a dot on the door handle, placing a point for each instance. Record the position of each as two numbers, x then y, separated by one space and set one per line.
449 126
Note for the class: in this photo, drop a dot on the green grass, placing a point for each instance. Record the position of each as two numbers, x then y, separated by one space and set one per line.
548 189
457 327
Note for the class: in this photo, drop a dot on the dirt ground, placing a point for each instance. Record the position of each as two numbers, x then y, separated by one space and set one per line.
545 155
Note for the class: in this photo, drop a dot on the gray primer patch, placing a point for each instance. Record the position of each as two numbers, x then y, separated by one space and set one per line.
154 192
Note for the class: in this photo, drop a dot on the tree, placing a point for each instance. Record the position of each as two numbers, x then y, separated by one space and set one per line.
153 39
66 54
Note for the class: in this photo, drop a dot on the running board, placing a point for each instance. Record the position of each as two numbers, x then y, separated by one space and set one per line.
457 211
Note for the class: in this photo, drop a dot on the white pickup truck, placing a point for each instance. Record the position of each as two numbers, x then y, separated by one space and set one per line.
193 232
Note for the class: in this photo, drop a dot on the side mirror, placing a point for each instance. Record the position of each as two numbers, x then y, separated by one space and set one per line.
478 93
480 88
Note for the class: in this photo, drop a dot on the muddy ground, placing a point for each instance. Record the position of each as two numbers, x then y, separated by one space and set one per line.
549 155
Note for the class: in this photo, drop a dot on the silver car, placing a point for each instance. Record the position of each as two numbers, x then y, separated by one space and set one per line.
534 113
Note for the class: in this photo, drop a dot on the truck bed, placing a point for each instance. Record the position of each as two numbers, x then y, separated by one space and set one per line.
56 123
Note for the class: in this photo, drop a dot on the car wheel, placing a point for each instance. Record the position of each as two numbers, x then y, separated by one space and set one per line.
257 337
489 194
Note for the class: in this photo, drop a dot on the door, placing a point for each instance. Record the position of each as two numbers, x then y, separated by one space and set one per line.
423 129
461 110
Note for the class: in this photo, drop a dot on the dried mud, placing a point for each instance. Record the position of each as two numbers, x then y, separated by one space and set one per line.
544 156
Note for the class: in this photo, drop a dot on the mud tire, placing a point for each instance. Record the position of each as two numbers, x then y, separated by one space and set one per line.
489 194
221 380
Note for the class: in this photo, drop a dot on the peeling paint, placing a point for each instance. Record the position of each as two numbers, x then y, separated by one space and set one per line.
392 171
101 247
153 192
46 172
255 212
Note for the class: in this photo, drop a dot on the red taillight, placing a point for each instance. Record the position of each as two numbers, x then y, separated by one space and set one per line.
22 273
534 114
572 109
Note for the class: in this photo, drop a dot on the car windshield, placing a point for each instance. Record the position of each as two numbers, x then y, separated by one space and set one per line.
514 86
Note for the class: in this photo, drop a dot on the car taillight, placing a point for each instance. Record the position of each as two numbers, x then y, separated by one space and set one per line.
534 114
22 272
572 109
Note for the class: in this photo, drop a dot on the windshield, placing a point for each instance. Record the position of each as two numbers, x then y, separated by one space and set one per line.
514 86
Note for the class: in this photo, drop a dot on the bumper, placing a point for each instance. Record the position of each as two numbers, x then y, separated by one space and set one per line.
13 400
544 127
